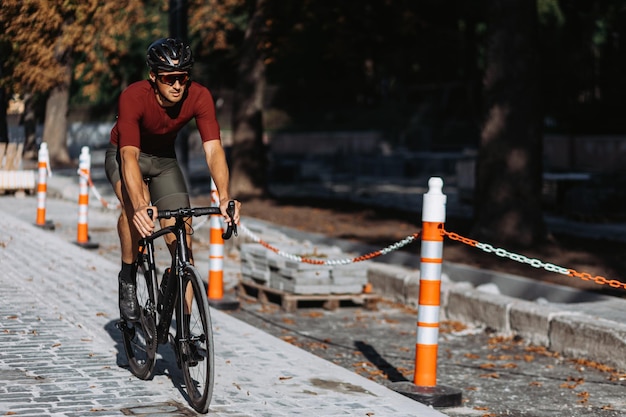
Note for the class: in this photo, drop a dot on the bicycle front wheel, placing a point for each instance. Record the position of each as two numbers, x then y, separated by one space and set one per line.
196 343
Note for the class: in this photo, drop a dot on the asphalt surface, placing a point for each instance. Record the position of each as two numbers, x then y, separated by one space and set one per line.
498 374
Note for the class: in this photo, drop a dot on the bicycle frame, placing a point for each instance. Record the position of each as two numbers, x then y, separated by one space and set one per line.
181 291
167 294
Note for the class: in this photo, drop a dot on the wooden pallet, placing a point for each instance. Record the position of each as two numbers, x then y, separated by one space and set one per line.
12 178
11 156
290 301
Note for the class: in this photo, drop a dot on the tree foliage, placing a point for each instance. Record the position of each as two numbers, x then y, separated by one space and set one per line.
47 35
56 42
214 21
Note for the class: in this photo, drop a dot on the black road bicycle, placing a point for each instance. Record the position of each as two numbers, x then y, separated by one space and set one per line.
193 337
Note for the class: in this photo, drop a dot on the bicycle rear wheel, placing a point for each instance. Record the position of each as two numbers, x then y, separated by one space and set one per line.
140 336
196 343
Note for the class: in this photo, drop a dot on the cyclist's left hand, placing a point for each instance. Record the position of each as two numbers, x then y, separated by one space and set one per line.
224 206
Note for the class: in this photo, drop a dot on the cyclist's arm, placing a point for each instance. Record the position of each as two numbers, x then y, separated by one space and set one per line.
133 181
216 160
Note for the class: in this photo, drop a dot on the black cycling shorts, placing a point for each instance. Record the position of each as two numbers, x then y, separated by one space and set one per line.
168 190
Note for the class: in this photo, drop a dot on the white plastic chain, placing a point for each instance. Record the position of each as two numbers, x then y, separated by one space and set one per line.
345 261
522 259
113 206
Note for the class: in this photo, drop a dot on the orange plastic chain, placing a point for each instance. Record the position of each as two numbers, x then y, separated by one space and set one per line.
534 262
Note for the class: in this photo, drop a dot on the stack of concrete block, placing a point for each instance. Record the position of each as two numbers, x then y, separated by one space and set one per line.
263 266
254 263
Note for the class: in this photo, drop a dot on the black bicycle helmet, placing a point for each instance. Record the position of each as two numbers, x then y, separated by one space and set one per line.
163 52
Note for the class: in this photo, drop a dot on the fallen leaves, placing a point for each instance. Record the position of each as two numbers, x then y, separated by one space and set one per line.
572 382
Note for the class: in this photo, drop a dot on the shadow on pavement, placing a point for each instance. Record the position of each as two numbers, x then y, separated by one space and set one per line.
392 373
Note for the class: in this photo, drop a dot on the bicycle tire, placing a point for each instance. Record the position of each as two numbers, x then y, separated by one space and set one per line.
140 336
197 334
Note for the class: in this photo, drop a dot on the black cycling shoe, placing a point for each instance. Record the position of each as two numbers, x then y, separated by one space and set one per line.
129 307
193 355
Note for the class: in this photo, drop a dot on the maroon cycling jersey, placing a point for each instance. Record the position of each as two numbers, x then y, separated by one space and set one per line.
143 123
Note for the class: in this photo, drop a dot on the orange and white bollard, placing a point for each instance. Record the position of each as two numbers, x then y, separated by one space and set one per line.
216 251
43 167
215 292
424 388
426 347
84 166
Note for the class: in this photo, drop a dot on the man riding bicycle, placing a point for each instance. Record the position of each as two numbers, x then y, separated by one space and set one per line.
141 161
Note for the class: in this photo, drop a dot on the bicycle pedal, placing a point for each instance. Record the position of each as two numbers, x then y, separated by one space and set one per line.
122 325
193 355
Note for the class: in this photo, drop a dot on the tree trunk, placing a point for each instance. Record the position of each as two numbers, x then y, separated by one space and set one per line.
249 159
29 121
56 124
509 168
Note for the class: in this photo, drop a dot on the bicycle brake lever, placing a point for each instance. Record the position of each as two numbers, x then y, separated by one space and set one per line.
232 227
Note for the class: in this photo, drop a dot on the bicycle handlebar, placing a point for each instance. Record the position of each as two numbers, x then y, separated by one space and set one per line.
201 211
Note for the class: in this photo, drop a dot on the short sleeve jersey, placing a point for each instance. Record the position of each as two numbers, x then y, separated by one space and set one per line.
143 123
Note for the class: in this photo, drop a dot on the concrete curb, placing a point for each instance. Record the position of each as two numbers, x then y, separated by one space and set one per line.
586 330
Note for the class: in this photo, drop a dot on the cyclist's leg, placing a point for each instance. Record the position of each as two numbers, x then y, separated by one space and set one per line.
127 233
169 192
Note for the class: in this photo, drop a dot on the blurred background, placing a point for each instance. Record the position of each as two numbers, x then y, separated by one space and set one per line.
517 104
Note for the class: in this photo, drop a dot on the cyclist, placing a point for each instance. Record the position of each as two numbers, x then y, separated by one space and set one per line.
141 162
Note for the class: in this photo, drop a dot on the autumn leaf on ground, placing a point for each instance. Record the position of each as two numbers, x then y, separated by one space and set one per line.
317 345
593 364
313 314
541 350
572 382
451 326
584 397
499 357
291 339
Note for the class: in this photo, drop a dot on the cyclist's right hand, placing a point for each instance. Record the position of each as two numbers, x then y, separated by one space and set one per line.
143 221
232 211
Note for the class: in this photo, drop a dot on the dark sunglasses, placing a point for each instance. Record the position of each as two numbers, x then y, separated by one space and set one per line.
170 79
